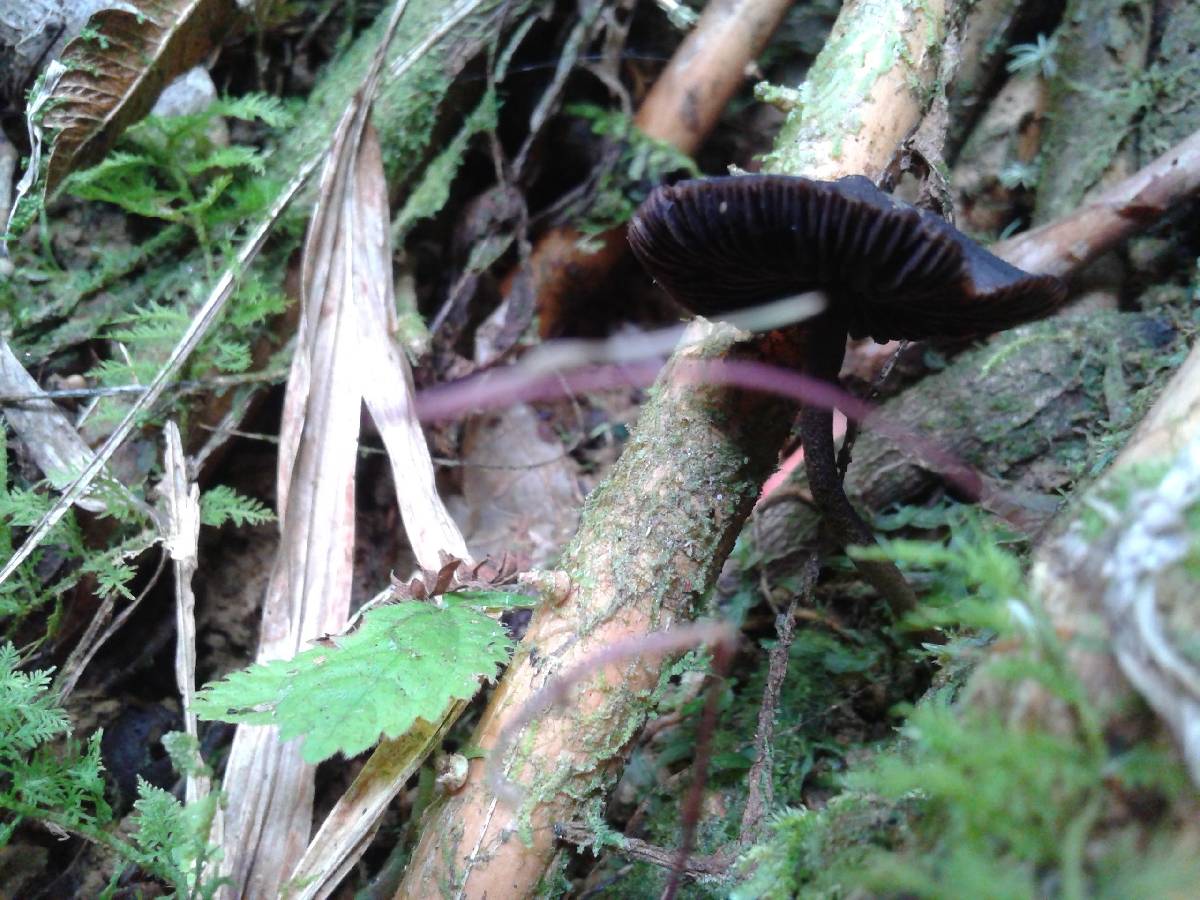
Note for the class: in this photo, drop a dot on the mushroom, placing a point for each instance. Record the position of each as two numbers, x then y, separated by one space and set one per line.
888 270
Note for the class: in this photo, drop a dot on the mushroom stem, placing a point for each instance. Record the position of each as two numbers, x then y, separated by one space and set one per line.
828 347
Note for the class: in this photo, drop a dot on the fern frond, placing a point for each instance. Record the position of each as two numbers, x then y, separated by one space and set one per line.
221 504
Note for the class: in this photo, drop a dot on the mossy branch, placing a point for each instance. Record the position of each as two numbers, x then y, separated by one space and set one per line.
653 537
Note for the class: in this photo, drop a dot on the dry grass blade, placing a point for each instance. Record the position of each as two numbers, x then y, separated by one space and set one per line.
181 500
116 69
387 389
351 824
346 354
269 784
387 384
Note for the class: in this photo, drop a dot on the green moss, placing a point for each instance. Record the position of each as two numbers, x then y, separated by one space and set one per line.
827 107
1174 79
967 803
429 196
1095 98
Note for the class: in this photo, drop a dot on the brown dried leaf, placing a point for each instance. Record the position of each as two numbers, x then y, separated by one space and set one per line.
520 487
456 574
117 68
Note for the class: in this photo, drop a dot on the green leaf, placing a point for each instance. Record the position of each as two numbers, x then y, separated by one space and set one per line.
174 839
221 504
404 662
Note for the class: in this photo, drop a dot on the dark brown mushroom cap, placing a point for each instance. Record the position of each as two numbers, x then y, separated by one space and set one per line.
890 270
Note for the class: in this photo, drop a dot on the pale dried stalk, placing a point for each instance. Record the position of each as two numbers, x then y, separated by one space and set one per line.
654 536
347 354
181 499
388 391
53 443
270 786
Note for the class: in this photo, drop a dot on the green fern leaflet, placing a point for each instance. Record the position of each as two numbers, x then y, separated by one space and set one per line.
404 662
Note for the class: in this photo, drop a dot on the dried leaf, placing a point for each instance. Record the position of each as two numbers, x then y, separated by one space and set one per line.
269 782
116 69
520 486
456 575
346 354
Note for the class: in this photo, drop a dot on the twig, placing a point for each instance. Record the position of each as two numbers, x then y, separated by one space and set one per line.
690 811
181 500
716 864
217 382
86 649
1064 245
761 791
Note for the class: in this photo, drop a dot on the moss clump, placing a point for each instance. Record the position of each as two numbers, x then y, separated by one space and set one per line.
967 802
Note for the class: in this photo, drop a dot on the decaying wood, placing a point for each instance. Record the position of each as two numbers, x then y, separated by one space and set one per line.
1092 106
1010 409
1117 592
984 42
836 129
655 534
56 447
1175 110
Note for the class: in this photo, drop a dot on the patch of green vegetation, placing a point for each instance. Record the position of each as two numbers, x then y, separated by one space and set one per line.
966 802
403 662
64 558
430 194
171 169
641 163
1035 58
47 777
221 504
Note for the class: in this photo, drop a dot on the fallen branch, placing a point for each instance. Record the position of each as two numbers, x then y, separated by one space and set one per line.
654 536
1066 244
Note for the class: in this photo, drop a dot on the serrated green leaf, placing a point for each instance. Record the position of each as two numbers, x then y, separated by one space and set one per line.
404 662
